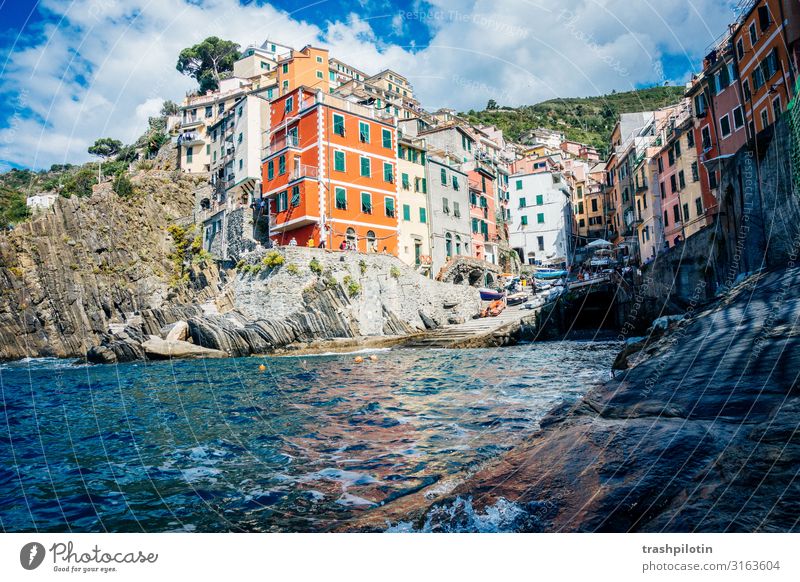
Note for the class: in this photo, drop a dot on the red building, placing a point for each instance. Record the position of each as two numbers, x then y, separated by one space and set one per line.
329 172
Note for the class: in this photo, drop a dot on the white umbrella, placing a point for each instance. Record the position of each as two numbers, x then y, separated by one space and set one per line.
599 243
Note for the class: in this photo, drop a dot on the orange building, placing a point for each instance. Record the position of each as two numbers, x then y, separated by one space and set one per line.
762 39
329 172
306 67
482 214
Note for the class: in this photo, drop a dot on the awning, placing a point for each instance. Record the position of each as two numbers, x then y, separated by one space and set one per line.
713 164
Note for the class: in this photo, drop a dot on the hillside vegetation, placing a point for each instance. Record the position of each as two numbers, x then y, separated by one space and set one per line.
585 119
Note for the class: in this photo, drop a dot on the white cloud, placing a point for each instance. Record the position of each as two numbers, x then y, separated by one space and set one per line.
107 65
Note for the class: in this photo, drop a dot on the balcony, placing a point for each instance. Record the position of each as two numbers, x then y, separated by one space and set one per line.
189 138
280 143
301 171
191 122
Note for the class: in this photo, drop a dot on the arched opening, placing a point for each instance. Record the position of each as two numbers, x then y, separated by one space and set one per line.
531 258
372 242
458 279
352 240
475 277
489 280
458 245
448 245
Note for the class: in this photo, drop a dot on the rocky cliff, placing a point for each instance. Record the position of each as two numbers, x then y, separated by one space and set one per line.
297 297
89 264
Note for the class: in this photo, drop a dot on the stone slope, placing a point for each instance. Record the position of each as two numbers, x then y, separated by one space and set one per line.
88 263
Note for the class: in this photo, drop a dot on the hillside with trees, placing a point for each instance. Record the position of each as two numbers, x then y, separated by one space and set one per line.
585 119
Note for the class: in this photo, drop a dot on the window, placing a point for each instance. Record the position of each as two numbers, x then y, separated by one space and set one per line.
678 148
285 68
758 78
698 205
423 215
388 173
712 180
363 132
681 179
522 203
671 155
420 185
221 109
189 154
338 124
289 104
539 199
240 138
331 76
666 216
763 17
406 212
270 169
365 167
524 220
241 164
690 138
319 59
455 182
388 206
676 213
295 195
282 165
705 133
540 218
456 210
209 111
594 204
695 172
725 125
540 242
740 48
663 190
776 107
660 165
405 182
746 89
445 206
753 35
282 201
580 207
738 118
338 161
443 175
519 184
386 136
341 198
448 244
673 183
366 203
685 212
764 118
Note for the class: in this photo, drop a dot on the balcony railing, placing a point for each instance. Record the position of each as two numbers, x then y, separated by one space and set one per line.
304 171
280 143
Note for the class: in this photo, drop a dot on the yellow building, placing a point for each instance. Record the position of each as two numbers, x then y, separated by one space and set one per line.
412 199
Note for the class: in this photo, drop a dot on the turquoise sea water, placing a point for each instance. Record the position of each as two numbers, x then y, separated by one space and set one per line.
217 445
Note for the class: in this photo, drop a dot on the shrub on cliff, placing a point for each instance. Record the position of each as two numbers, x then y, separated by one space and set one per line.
123 185
80 183
315 266
394 272
352 287
272 260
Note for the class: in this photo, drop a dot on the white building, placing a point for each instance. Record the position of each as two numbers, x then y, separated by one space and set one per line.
541 218
41 201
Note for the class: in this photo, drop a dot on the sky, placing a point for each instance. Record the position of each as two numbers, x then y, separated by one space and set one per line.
75 70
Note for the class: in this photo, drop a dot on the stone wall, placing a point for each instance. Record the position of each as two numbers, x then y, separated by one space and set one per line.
237 232
469 271
387 290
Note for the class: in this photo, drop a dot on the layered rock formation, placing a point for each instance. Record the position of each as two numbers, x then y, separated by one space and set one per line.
699 435
88 265
312 295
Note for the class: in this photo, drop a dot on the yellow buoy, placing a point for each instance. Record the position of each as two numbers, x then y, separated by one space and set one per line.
262 368
374 358
358 359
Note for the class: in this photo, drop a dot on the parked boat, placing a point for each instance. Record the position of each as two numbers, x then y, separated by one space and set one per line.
550 274
490 294
516 298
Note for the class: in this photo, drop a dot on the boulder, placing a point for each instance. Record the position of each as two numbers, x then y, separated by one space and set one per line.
179 332
156 348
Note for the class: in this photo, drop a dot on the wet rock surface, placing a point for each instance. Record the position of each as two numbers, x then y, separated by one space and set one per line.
700 435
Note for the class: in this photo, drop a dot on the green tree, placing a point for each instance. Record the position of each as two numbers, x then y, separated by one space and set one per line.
104 148
169 108
207 61
491 105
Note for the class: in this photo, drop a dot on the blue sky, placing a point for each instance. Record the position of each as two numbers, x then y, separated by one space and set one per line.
75 70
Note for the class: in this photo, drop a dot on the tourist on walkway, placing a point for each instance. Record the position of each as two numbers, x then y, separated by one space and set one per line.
293 242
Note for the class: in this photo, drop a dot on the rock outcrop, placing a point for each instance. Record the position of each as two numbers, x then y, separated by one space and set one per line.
700 435
89 265
312 295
